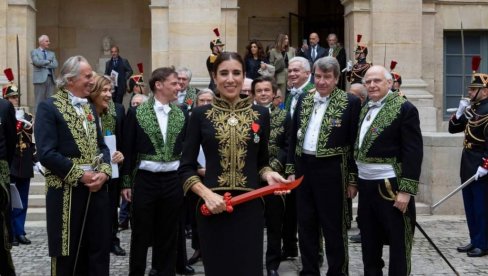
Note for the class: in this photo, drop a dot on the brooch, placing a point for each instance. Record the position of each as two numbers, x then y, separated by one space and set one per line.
89 117
232 121
255 128
189 103
336 122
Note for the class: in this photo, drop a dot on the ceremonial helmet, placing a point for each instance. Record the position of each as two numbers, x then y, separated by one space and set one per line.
360 48
137 79
217 41
478 80
10 89
396 77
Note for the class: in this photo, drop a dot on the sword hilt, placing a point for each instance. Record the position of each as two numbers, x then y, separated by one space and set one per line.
229 208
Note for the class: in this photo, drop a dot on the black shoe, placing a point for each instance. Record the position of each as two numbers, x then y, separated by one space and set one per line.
15 241
117 250
124 225
476 252
355 238
187 270
273 272
465 248
197 256
23 240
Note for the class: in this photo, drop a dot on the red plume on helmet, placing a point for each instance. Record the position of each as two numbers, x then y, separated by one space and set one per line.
140 67
393 65
475 63
358 38
216 32
9 74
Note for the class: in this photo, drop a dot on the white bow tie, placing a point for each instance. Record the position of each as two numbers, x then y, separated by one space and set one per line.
76 101
372 104
295 92
165 108
320 100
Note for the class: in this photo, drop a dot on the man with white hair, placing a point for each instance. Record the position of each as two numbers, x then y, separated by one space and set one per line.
44 62
358 90
70 146
388 154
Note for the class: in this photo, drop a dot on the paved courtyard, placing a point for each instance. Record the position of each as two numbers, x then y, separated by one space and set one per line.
448 232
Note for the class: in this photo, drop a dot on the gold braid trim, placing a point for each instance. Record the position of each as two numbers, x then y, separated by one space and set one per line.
105 168
276 165
66 221
190 182
73 175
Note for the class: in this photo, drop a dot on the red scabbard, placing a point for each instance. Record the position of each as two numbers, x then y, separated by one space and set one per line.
267 190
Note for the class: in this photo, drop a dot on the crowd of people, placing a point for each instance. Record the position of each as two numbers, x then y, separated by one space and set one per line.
268 118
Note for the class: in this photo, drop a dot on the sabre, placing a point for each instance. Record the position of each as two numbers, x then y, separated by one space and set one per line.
466 183
436 248
233 201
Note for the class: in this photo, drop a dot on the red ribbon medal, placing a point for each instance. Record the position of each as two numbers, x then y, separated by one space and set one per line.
255 128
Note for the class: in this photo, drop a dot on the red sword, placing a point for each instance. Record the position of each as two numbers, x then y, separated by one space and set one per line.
233 201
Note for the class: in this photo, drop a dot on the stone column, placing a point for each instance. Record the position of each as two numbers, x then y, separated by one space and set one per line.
21 22
3 40
159 32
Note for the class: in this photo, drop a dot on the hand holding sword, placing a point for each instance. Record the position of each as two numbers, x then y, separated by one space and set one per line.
215 203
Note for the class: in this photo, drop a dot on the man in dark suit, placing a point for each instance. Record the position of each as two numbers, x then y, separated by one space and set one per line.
152 148
337 51
388 154
314 51
323 132
44 62
122 67
71 148
7 149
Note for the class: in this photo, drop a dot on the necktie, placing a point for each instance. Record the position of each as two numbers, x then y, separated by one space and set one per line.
331 52
115 62
78 102
372 104
45 55
314 52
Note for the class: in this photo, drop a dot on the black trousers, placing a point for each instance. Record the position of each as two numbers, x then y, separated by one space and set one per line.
6 264
290 228
156 209
381 223
114 194
93 257
274 212
321 204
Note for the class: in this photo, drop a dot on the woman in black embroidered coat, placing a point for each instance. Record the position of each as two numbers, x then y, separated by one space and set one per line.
234 136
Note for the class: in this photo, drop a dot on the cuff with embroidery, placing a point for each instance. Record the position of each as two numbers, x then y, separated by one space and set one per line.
126 182
289 169
408 185
276 165
73 176
106 168
353 178
192 180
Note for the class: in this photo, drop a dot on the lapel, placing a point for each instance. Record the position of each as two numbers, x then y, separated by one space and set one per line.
83 139
146 116
388 113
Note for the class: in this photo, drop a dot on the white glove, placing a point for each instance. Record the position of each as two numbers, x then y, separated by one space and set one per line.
19 114
480 173
348 67
463 104
39 168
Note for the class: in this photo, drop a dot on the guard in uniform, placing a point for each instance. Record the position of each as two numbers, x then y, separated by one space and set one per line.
397 79
21 170
217 47
323 132
472 118
152 146
388 154
70 146
7 149
355 73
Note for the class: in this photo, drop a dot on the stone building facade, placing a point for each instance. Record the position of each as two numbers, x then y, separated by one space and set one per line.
177 32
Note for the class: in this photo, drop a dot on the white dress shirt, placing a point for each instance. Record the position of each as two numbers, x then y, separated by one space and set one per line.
313 128
181 96
371 171
294 99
